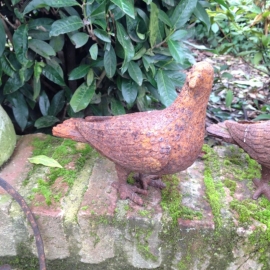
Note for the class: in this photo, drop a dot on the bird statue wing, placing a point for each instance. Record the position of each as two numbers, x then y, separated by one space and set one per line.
138 143
254 138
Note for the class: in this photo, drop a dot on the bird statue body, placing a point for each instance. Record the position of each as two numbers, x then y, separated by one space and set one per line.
254 138
151 143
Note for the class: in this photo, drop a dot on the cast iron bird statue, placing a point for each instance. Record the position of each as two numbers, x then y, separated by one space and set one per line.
254 138
151 143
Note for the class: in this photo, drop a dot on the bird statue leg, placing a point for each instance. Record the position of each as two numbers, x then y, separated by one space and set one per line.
125 190
146 180
262 184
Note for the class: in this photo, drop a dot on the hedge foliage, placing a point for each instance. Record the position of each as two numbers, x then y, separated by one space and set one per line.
69 58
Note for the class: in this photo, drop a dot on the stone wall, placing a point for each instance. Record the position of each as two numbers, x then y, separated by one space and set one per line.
86 226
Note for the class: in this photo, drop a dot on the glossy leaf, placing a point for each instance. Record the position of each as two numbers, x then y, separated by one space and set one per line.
264 116
164 18
229 98
3 38
102 35
19 109
153 25
79 39
135 72
13 84
79 72
46 121
166 88
82 97
176 50
94 51
90 77
66 25
202 15
126 6
41 47
110 62
44 103
125 41
44 160
129 91
182 12
51 74
117 107
36 4
6 66
57 43
20 43
57 103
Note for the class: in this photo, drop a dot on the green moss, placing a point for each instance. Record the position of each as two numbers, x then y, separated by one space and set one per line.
231 185
171 201
65 152
213 189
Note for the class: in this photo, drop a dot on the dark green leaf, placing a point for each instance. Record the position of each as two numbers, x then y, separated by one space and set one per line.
42 48
6 66
57 43
79 72
13 84
3 38
39 34
19 108
46 121
129 91
94 51
98 12
179 35
51 74
103 35
110 62
14 2
164 18
176 50
264 116
20 43
90 77
36 4
135 72
57 103
229 98
66 25
125 41
126 5
79 39
82 97
153 25
116 107
182 12
44 103
40 23
202 15
166 88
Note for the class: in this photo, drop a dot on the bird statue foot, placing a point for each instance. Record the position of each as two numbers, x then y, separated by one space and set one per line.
129 192
146 180
263 187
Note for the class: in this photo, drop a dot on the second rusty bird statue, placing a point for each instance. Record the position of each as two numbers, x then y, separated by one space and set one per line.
150 143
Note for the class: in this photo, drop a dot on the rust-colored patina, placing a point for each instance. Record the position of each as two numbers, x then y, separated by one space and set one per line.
150 143
254 138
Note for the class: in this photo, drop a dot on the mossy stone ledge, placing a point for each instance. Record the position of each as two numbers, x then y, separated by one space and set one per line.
204 219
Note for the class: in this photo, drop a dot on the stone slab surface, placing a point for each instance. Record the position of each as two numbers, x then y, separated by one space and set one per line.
90 228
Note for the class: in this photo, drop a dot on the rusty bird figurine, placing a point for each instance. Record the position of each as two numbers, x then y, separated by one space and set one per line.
151 143
254 138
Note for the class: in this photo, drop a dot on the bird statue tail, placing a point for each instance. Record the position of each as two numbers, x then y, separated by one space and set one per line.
221 131
68 129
